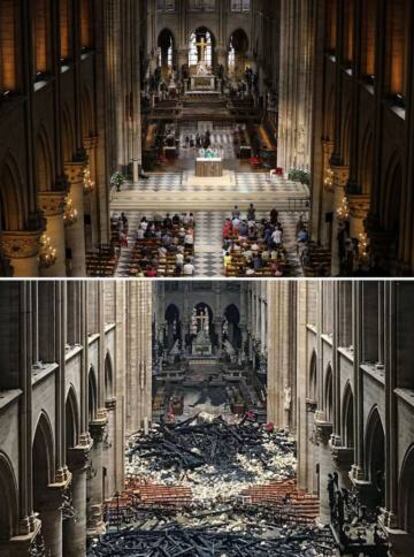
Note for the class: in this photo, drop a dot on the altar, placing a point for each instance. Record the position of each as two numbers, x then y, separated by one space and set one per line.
203 83
209 167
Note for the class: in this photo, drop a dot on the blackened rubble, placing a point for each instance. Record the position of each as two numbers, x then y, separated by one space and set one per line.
212 472
213 454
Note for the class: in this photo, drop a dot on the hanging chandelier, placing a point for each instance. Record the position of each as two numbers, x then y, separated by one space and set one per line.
70 215
88 183
47 254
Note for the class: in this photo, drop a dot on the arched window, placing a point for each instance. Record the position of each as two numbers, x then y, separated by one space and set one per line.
201 48
237 59
8 71
241 6
166 51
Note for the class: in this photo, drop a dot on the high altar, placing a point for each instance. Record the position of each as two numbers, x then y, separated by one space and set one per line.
209 168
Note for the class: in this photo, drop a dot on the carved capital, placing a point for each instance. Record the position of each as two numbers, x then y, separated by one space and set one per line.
20 245
341 176
52 203
75 172
359 206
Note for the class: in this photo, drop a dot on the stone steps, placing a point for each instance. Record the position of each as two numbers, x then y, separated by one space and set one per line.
203 201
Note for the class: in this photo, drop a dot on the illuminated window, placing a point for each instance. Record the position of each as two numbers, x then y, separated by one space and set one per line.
201 48
240 5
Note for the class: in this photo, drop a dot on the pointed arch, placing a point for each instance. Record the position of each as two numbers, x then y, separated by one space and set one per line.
375 453
88 114
366 175
109 377
9 499
44 166
68 135
406 492
12 198
43 455
347 135
328 393
348 416
72 418
330 115
92 394
313 377
390 201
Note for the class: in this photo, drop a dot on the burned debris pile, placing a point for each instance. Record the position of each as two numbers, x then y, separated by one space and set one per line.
207 487
213 457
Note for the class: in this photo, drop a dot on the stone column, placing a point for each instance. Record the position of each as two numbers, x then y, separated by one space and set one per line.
358 209
323 432
52 203
75 233
341 174
91 147
95 523
50 514
74 529
22 250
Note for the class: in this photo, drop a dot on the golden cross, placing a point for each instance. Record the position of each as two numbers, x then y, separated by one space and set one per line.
203 47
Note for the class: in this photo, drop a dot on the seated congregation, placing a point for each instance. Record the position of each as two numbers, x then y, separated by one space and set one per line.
163 246
255 247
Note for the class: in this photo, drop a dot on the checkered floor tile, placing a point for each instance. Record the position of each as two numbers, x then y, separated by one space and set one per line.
208 259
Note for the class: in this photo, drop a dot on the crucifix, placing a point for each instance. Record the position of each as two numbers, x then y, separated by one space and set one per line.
202 45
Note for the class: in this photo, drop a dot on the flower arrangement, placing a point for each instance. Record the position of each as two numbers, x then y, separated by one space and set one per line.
117 180
299 175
